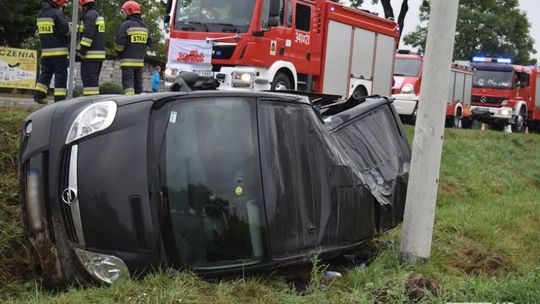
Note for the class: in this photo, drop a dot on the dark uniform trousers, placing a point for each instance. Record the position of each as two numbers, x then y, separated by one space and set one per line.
49 66
132 80
90 70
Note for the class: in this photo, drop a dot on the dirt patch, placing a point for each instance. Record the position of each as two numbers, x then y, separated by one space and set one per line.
473 261
418 287
448 189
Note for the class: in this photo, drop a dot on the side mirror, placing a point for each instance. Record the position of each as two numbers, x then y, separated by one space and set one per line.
167 19
168 7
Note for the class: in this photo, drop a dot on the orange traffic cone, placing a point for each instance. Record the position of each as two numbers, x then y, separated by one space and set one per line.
483 127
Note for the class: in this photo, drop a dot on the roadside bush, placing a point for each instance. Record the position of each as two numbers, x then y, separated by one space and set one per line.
110 88
77 91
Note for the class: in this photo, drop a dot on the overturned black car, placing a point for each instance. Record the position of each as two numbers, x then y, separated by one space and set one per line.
217 182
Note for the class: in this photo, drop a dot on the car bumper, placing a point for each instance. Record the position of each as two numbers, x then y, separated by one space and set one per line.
405 104
492 115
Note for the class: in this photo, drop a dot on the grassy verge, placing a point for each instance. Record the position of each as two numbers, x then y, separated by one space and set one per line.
485 249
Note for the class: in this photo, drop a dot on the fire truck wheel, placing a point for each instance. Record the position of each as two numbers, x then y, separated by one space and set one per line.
519 125
281 82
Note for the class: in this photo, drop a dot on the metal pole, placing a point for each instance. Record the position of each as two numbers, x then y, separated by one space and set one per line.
73 48
428 136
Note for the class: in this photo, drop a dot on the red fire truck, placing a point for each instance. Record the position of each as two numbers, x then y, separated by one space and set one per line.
311 45
504 93
406 89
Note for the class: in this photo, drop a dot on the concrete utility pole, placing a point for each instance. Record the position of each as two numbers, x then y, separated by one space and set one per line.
73 48
428 136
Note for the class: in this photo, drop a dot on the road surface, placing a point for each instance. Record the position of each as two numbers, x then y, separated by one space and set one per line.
17 100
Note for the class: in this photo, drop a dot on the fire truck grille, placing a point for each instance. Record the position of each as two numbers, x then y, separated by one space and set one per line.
223 51
485 99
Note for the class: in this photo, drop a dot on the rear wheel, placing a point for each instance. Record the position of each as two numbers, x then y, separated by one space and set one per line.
360 92
281 82
454 121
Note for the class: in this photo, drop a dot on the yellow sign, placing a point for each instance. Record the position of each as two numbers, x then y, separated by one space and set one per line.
17 68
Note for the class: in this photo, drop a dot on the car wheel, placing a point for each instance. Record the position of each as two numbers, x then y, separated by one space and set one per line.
454 121
281 82
519 125
360 92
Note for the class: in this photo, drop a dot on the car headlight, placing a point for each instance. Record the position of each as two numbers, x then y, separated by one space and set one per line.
170 72
407 89
106 268
505 112
94 118
243 79
504 102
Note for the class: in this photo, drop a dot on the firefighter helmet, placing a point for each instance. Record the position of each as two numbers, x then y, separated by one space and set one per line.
131 7
60 3
84 2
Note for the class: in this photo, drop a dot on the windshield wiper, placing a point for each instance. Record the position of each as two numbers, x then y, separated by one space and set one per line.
196 23
235 28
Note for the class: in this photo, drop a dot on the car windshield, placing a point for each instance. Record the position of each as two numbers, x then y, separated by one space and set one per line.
213 182
407 67
214 16
493 79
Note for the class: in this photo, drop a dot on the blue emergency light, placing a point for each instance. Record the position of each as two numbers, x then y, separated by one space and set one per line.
504 60
487 59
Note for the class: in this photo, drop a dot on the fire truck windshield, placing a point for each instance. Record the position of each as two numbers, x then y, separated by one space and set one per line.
407 67
493 79
214 16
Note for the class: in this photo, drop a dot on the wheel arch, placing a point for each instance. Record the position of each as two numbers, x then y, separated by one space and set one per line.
283 67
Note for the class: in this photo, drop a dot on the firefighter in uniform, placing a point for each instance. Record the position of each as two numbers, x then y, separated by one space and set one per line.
131 41
53 30
91 46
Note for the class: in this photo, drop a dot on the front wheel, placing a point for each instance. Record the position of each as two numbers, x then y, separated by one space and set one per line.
281 82
519 125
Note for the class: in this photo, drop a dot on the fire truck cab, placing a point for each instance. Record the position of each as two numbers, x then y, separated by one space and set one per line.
311 45
505 93
406 90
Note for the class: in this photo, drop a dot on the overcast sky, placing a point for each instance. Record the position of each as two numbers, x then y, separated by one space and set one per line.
531 7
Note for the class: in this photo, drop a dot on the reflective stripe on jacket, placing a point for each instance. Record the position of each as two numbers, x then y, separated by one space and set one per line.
53 31
131 41
92 31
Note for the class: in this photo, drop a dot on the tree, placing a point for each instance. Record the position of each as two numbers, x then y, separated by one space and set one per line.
18 21
487 27
389 11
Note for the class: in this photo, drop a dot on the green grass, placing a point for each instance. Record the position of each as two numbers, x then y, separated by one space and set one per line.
486 241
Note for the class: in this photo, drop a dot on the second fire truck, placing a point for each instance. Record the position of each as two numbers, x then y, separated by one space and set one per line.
311 45
407 83
506 94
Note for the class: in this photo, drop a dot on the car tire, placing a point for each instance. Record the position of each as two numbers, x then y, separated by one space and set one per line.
456 121
281 82
521 119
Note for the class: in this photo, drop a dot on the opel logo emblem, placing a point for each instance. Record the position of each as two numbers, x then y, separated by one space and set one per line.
483 99
69 196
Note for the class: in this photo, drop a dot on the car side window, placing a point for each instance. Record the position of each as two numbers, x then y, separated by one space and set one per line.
524 79
289 16
303 17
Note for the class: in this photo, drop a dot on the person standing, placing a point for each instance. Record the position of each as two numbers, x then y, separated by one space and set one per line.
91 46
156 79
53 30
131 41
